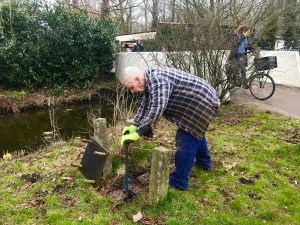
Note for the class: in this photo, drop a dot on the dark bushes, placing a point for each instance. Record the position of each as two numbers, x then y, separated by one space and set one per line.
53 48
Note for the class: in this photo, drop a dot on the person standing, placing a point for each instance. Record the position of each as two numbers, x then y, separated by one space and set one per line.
127 48
243 44
185 100
138 46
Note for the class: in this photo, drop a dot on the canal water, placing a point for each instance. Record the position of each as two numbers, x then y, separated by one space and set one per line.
24 131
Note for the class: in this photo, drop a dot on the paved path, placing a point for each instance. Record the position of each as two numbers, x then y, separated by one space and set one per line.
286 100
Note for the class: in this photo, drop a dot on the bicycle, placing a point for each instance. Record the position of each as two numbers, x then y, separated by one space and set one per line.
259 82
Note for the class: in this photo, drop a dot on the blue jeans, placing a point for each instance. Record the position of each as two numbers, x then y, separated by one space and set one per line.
188 148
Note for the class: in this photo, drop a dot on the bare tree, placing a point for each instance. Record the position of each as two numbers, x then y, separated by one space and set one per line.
120 16
173 5
155 13
129 17
164 10
105 8
205 30
75 3
146 3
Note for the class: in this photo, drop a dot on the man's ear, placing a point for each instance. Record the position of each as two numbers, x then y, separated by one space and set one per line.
139 79
140 82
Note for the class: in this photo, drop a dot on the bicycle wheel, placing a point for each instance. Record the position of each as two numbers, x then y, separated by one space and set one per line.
262 86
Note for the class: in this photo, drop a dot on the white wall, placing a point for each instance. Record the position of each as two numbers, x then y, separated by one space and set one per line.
139 59
287 72
288 67
134 37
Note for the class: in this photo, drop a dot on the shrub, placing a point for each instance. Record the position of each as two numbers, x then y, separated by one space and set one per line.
53 48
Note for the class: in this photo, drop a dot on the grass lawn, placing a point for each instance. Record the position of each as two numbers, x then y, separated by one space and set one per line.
255 180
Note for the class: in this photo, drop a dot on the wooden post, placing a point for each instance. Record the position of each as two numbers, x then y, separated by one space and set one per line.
101 136
159 177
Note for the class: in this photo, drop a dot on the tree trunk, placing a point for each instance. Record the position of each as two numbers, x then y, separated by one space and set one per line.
173 10
105 8
155 14
75 3
129 18
164 11
122 27
212 5
146 15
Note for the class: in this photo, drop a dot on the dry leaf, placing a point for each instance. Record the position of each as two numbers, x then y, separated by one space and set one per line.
137 217
229 167
7 156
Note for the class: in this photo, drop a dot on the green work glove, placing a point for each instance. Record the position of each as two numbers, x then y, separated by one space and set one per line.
129 130
129 138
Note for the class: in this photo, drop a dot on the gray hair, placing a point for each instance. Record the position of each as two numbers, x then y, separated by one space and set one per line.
130 73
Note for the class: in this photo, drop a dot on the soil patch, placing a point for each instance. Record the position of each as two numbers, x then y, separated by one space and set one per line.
233 114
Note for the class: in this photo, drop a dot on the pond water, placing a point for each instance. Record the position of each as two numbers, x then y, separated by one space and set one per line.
24 131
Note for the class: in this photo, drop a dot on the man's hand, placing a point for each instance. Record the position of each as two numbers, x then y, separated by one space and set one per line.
129 130
129 138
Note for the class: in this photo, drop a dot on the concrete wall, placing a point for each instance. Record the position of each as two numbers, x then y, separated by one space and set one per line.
287 72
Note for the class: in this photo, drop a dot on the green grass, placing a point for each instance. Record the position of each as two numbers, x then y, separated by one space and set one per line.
17 95
255 180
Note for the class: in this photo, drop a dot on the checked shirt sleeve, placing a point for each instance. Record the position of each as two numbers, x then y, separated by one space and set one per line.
160 91
140 113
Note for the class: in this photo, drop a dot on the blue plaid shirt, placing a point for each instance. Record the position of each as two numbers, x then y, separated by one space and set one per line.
182 98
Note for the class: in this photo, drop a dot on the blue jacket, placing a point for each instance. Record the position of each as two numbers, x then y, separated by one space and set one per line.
138 47
243 44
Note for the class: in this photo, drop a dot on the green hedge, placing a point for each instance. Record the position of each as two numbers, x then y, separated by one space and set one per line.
53 48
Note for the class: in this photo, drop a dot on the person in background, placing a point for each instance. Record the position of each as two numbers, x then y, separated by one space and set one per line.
182 98
127 49
163 48
138 46
243 45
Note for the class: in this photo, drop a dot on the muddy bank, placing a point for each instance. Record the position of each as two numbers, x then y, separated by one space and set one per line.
17 101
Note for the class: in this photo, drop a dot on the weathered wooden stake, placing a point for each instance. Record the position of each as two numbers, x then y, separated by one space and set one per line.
159 176
101 136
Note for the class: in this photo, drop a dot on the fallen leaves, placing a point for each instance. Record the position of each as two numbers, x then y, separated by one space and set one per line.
293 136
230 166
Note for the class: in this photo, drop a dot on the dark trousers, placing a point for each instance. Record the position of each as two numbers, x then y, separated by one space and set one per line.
243 64
188 148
